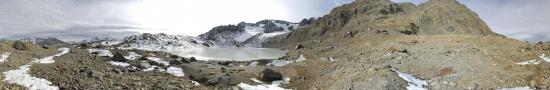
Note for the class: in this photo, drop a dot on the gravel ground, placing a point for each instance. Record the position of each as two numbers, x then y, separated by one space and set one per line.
446 62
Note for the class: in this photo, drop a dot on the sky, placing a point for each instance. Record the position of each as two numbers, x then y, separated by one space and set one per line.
82 19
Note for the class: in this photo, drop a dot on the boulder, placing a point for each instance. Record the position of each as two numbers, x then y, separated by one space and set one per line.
20 45
174 56
192 59
95 74
269 75
119 57
299 46
45 46
184 60
175 62
144 65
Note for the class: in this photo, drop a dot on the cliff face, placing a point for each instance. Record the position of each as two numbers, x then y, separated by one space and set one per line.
248 34
383 17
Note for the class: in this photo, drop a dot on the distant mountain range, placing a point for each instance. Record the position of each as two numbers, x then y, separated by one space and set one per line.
240 35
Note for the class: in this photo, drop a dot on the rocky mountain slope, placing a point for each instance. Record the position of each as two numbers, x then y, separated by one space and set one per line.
44 41
162 42
240 35
370 43
377 17
248 34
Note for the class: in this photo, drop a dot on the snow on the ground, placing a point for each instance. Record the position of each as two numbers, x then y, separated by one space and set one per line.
132 56
273 86
123 64
273 34
260 87
517 88
331 59
195 83
162 42
256 80
110 42
4 56
543 57
159 61
49 59
414 82
250 31
533 62
253 64
21 77
176 71
243 36
284 62
286 26
301 58
150 68
103 53
279 62
63 51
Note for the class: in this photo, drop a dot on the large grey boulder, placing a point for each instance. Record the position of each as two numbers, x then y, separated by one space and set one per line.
269 75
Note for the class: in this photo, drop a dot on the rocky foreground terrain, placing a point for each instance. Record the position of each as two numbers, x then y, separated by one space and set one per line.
365 45
441 42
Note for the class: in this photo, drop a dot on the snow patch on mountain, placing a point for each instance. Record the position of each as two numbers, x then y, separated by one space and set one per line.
248 34
132 56
159 61
162 42
103 53
49 59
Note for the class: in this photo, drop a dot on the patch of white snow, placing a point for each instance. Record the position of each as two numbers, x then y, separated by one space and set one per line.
176 71
301 58
545 58
533 62
21 77
256 80
103 53
331 59
414 82
273 86
279 63
49 59
123 64
132 56
159 61
4 56
253 64
196 83
150 68
517 88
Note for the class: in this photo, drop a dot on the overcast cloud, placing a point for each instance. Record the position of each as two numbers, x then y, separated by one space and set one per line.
80 19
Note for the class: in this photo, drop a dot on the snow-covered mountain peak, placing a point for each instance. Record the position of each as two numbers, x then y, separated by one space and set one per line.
162 42
248 34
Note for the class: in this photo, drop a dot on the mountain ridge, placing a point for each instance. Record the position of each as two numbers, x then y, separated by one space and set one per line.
384 17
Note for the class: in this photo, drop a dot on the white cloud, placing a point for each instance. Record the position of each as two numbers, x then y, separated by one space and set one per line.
77 19
520 19
193 17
